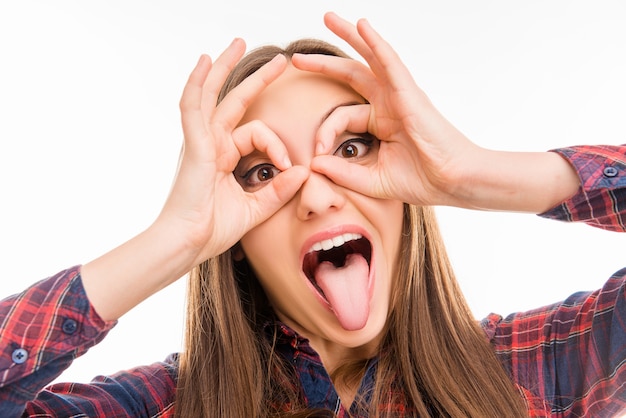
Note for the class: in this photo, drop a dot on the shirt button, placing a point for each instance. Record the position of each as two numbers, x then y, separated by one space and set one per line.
610 172
19 356
69 326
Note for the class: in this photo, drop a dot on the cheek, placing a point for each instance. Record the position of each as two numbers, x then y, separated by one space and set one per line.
270 254
257 248
266 239
391 235
397 211
278 275
390 222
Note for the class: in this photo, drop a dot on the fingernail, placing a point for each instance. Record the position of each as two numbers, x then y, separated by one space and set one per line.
286 162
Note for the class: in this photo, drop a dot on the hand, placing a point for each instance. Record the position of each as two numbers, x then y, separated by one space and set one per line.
422 157
207 211
207 208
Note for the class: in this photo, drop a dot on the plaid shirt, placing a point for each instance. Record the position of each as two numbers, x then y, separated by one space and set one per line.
567 359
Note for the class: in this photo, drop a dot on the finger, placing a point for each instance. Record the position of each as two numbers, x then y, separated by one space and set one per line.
222 67
234 105
346 70
353 119
390 66
268 199
349 175
379 54
256 135
200 93
190 102
349 33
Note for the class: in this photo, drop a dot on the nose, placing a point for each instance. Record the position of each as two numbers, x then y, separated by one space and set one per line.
317 196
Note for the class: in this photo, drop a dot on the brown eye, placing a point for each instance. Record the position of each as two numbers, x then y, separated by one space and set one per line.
264 173
257 176
354 148
350 151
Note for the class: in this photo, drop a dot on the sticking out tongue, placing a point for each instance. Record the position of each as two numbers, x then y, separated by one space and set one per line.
346 289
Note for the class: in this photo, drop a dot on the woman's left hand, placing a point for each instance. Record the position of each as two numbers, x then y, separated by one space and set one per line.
421 155
423 159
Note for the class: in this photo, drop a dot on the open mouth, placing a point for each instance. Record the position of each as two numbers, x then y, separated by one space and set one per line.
335 251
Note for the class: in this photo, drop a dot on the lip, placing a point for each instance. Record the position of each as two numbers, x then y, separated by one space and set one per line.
329 234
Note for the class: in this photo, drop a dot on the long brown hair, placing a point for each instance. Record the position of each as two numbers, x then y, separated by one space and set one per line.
433 349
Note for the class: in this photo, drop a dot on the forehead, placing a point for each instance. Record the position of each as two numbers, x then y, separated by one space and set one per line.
298 98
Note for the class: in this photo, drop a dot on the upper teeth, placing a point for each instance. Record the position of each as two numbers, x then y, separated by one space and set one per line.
337 241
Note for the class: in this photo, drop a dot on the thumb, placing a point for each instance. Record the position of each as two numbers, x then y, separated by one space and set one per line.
349 175
278 192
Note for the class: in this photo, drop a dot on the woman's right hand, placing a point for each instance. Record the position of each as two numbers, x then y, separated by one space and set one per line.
207 211
207 208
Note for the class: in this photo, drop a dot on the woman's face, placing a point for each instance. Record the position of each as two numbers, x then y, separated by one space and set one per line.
327 259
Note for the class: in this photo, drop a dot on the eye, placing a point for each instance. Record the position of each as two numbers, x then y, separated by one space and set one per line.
354 148
257 176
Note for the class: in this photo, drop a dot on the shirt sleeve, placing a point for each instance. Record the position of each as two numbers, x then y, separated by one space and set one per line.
571 354
146 391
601 199
42 330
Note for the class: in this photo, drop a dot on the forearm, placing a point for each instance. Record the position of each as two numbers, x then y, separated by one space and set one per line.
125 276
516 181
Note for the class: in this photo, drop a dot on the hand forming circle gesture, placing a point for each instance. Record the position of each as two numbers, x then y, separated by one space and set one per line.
421 157
206 206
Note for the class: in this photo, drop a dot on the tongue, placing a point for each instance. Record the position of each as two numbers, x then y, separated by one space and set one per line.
346 289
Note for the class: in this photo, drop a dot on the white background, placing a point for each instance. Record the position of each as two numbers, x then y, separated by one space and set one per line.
89 131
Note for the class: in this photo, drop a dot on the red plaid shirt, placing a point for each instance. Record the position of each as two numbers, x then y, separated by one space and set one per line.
567 359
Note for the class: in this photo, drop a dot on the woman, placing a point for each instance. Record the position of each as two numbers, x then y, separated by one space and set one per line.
322 283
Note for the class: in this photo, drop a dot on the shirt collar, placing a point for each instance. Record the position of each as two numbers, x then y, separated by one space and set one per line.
287 337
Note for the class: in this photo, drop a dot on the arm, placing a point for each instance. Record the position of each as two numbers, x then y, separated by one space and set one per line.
422 158
207 211
146 391
569 354
601 199
43 330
